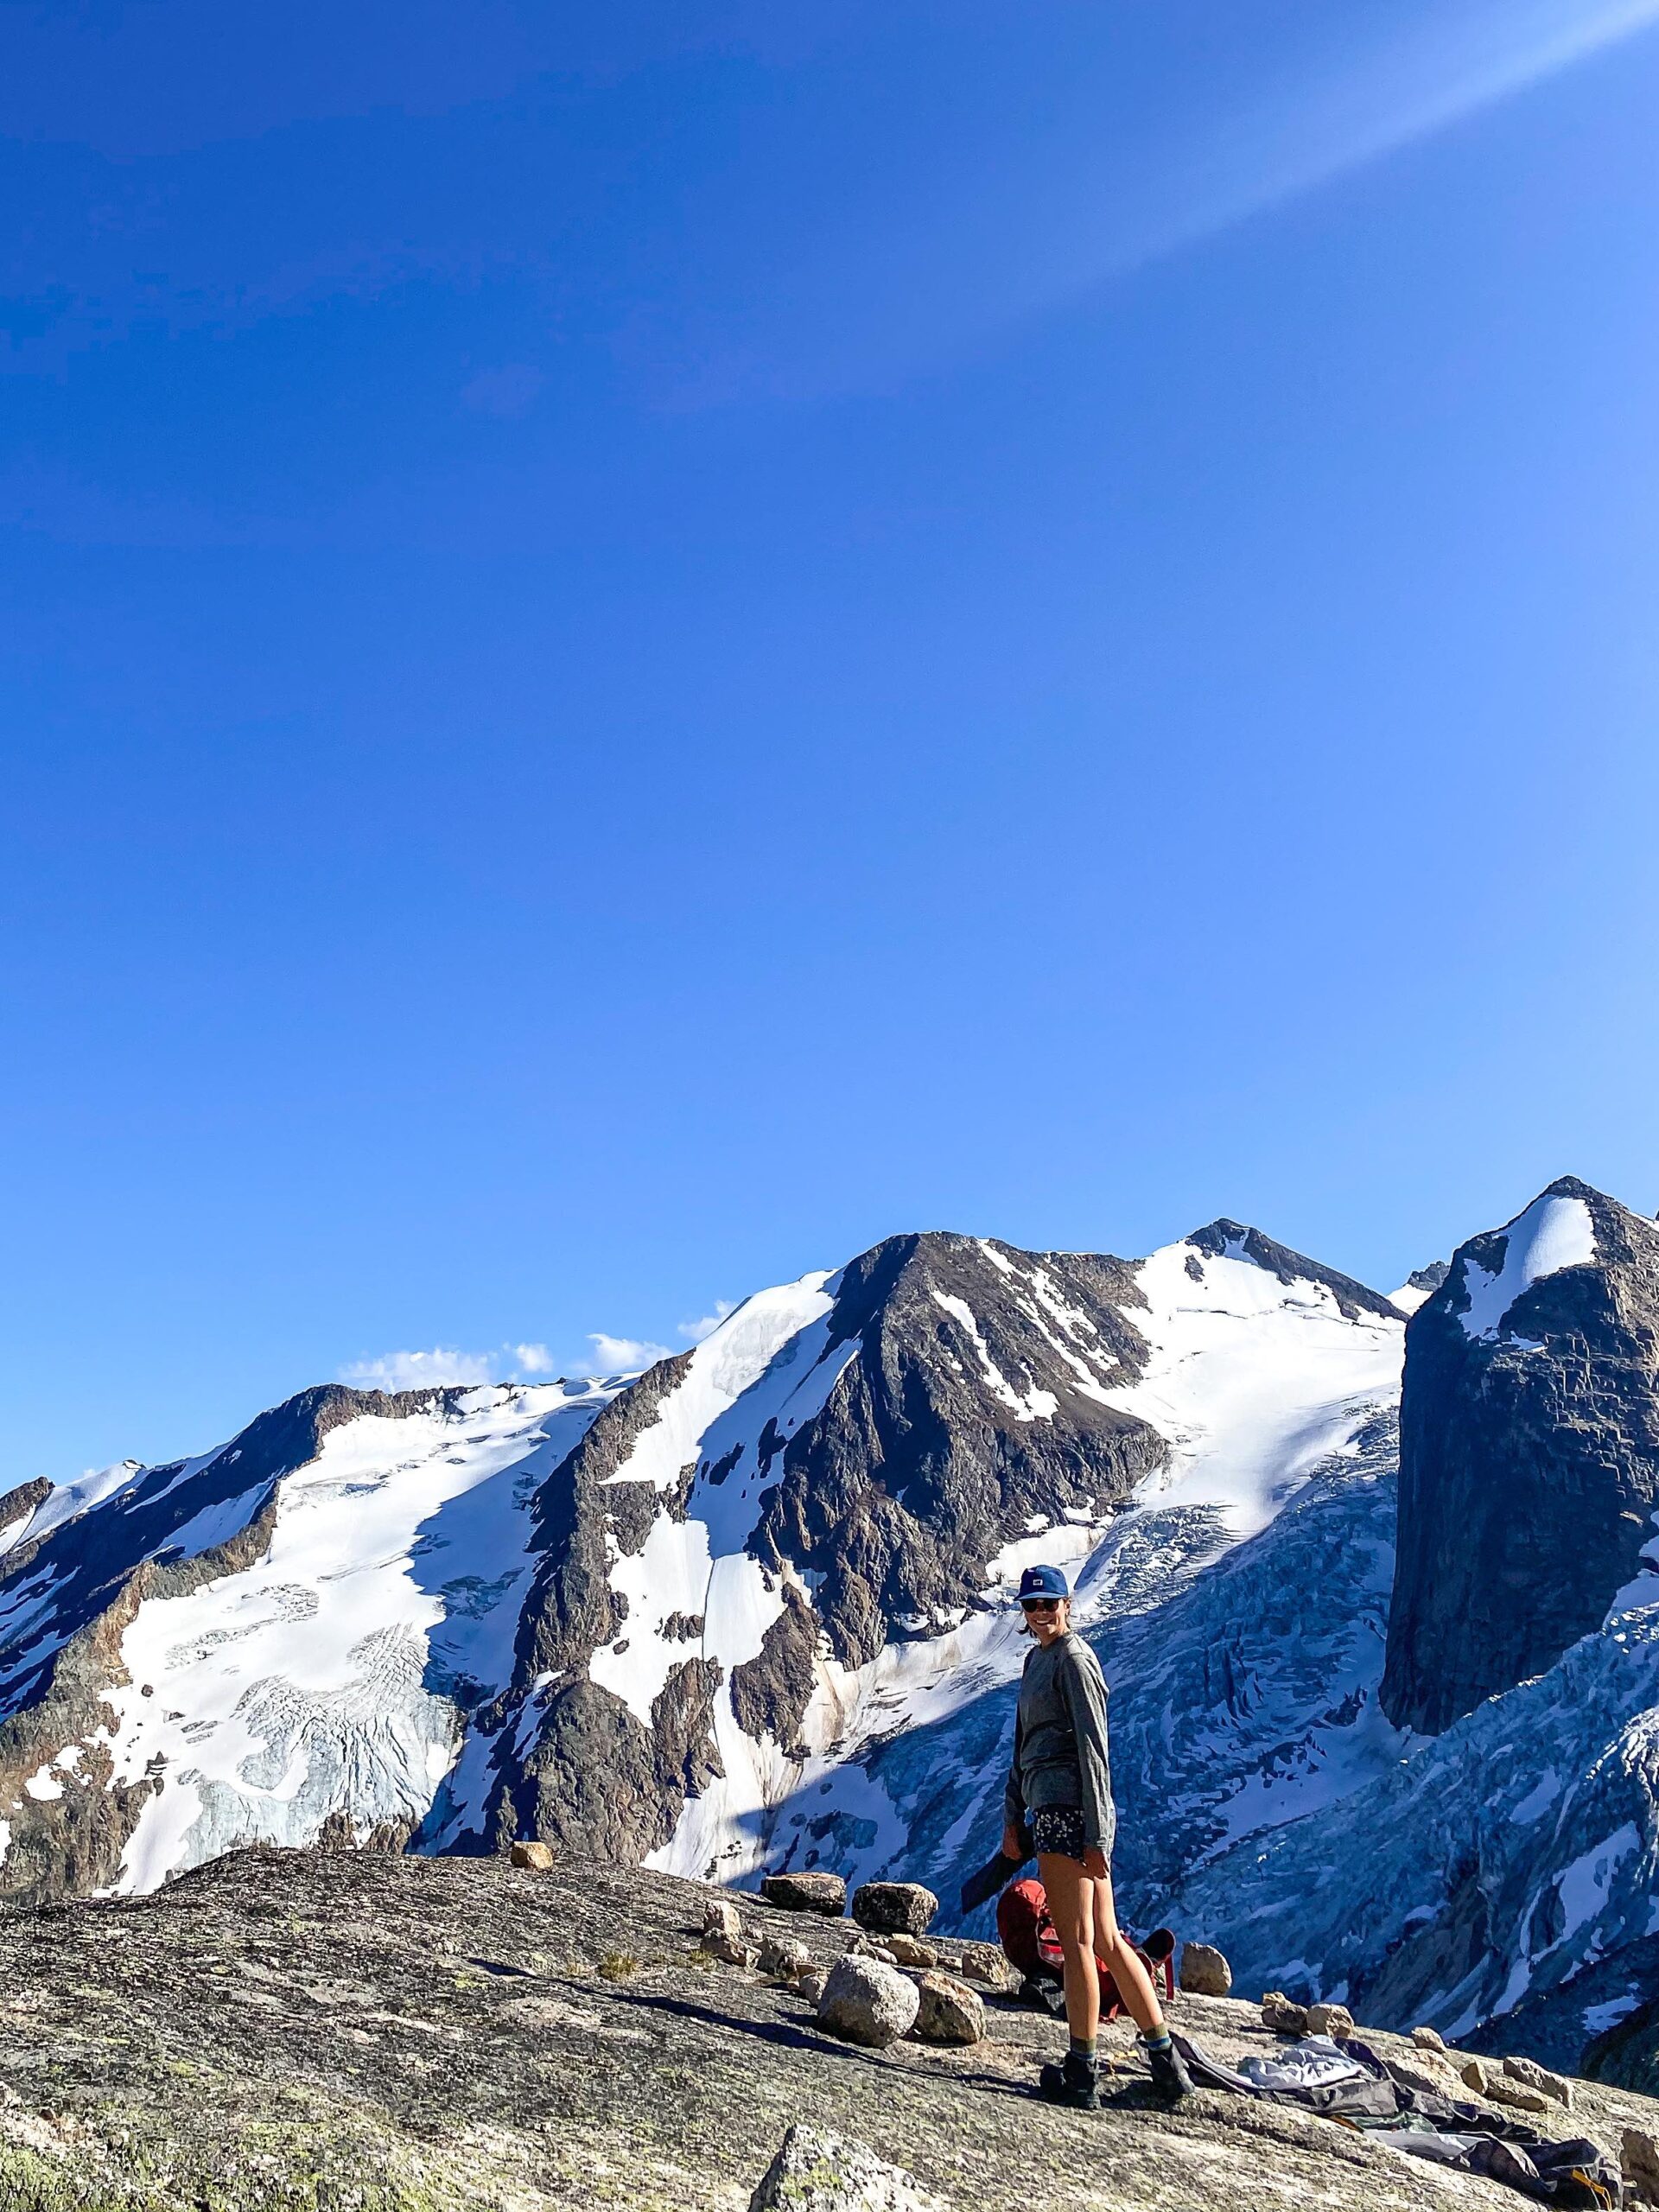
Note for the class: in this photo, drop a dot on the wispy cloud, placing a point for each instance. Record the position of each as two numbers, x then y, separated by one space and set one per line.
435 1369
1032 233
706 1323
533 1359
1448 65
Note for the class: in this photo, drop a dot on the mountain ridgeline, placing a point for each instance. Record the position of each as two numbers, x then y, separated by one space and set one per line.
1384 1658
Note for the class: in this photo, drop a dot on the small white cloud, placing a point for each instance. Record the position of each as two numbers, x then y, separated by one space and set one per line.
621 1355
697 1331
418 1371
532 1359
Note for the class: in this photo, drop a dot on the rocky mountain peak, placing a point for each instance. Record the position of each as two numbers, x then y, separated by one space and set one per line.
1226 1239
1529 1450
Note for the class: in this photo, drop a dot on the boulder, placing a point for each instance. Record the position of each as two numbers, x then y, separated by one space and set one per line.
1283 2017
949 2012
730 1950
722 1918
1204 1972
1428 2040
783 1956
894 1908
1430 2074
1476 2074
1334 2020
1504 2091
987 1963
816 2172
811 1986
867 2002
824 1893
537 1857
908 1951
1639 2157
1532 2075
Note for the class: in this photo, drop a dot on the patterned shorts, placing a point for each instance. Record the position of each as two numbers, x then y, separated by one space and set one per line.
1057 1834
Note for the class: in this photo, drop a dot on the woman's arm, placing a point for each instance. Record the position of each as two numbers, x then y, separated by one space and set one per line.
1085 1700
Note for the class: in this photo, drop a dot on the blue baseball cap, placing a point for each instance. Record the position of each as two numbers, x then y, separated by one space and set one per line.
1042 1582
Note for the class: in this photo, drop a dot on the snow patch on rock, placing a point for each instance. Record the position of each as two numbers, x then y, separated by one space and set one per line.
1552 1234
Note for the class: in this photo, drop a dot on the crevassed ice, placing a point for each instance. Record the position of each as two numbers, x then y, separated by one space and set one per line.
1552 1234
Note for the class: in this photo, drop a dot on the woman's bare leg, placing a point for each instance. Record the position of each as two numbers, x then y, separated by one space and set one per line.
1134 1982
1072 1906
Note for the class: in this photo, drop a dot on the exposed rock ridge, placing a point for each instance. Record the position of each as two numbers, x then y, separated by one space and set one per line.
1221 1237
920 1465
966 1401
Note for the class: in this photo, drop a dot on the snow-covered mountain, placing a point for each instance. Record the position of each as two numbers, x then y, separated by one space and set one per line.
749 1609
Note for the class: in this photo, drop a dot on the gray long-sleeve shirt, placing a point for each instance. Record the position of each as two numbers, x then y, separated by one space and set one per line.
1059 1741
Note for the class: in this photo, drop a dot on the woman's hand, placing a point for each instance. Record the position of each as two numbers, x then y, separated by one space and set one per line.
1095 1866
1012 1845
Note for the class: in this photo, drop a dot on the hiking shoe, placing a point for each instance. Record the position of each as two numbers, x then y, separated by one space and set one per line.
1072 2084
1169 2075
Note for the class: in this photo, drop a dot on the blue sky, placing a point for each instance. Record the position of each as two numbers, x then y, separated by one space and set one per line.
639 646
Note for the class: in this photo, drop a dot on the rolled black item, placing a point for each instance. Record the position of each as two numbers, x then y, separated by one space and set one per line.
990 1881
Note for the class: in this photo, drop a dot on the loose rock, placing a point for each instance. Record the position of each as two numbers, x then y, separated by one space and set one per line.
894 1908
1204 1972
1529 2072
910 1951
1428 2040
537 1857
949 2012
1283 2017
722 1918
1334 2020
816 2172
811 1986
867 2002
1476 2074
865 1946
986 1962
1503 2091
1639 2158
1431 2075
730 1950
824 1893
782 1955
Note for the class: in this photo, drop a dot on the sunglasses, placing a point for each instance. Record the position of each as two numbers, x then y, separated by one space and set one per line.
1039 1605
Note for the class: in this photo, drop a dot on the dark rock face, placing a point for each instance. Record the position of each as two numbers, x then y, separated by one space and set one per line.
1529 1453
919 1467
597 1780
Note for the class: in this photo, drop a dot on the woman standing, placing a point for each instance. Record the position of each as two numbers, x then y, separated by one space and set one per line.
1059 1800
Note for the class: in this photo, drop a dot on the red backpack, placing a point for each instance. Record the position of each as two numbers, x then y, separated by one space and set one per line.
1026 1929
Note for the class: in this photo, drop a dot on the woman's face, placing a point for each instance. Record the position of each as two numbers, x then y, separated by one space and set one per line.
1047 1618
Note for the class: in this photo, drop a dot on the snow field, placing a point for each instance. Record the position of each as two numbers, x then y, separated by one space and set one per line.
315 1681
